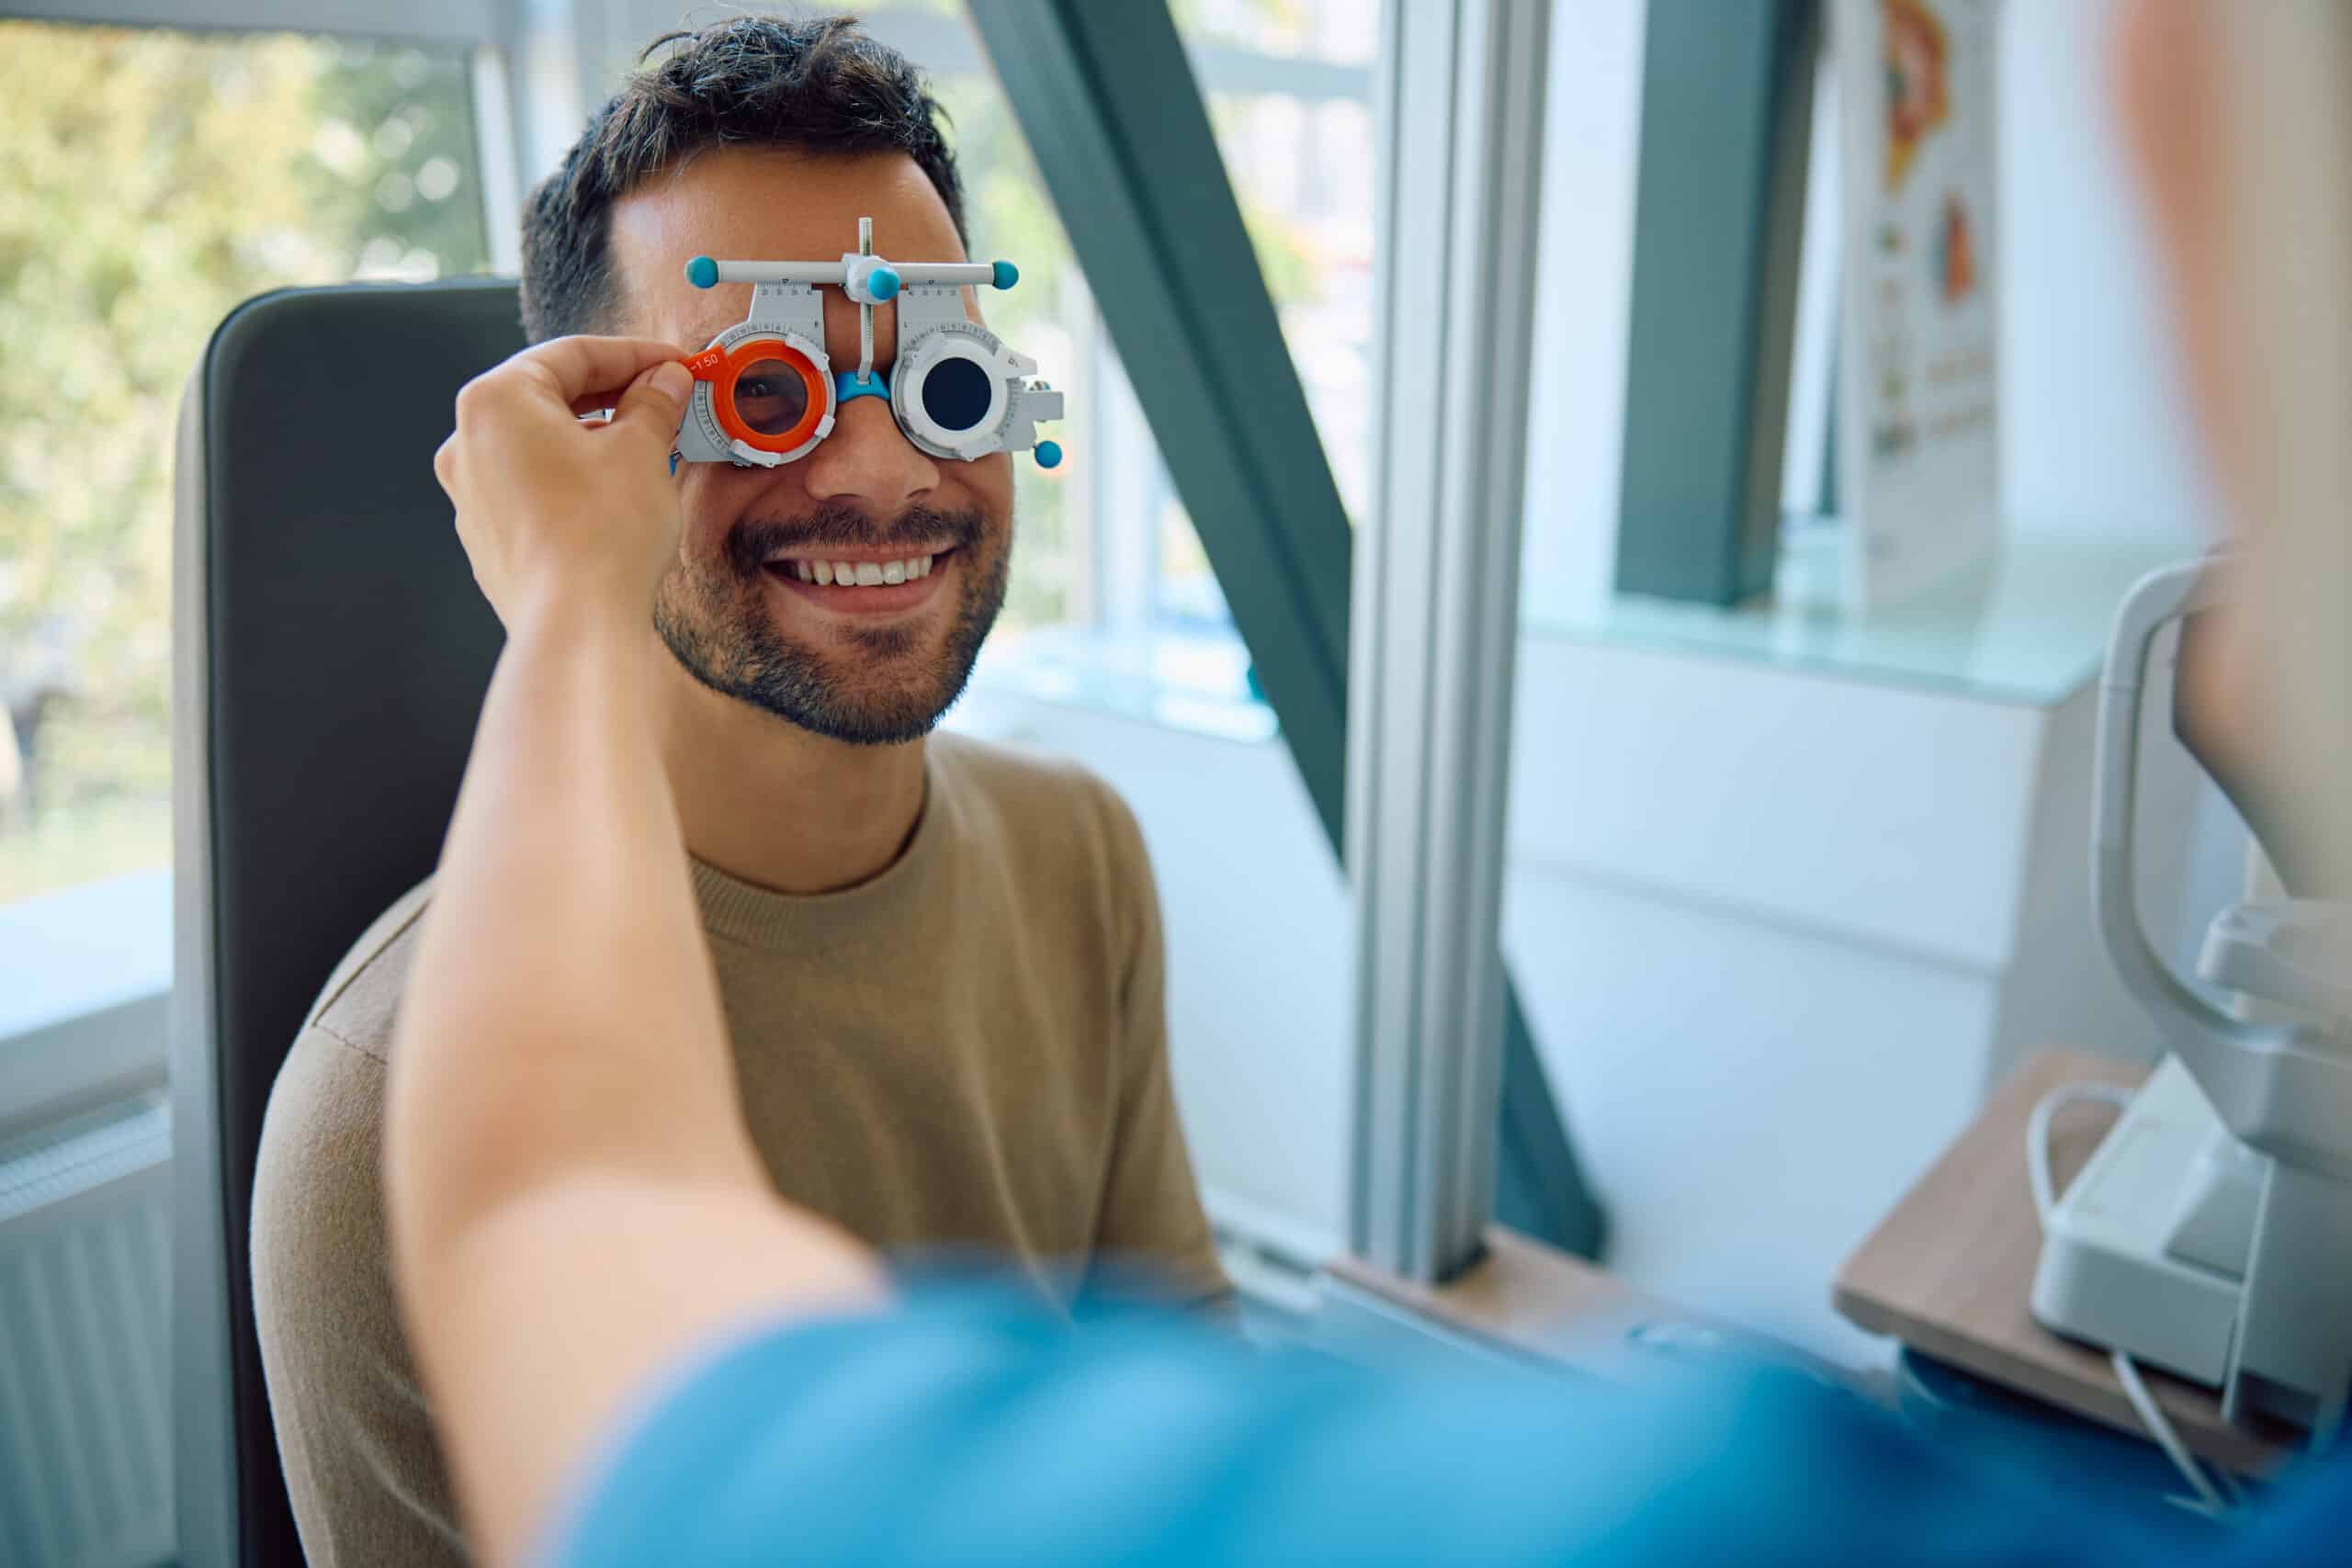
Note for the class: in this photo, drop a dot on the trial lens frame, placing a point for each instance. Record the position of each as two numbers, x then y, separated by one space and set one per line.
765 392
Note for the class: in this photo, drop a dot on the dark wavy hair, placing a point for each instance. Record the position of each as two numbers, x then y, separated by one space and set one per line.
816 84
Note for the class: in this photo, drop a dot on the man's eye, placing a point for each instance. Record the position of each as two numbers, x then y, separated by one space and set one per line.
770 397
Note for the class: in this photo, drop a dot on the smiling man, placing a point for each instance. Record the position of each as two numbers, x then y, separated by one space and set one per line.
939 964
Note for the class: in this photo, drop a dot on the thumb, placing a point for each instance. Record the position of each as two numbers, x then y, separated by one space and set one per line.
651 406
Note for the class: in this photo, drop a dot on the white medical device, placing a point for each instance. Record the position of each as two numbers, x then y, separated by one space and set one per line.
2210 1234
766 391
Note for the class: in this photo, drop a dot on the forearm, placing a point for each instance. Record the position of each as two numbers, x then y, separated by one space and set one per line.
563 1011
564 1145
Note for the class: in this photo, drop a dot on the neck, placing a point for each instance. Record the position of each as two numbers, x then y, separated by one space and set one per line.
767 802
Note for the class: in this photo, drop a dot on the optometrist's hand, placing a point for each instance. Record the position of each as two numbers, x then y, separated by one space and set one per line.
557 510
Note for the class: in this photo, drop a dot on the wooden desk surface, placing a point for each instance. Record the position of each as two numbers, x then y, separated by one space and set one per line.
1529 1299
1950 1270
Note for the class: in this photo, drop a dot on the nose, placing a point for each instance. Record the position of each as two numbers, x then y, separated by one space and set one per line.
869 459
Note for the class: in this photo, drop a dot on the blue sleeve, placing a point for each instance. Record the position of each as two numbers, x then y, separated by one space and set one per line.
963 1430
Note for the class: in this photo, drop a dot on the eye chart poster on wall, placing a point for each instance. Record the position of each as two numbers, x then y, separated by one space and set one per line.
1918 463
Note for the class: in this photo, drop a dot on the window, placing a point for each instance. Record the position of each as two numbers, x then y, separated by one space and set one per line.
1112 594
231 163
241 161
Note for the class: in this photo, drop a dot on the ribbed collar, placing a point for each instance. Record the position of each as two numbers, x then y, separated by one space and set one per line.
764 918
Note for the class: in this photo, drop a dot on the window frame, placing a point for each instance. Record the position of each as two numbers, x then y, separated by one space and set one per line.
89 973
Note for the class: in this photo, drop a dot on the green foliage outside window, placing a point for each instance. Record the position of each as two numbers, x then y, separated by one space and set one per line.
150 181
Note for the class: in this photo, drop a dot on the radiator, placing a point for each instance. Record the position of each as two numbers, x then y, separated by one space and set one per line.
84 1372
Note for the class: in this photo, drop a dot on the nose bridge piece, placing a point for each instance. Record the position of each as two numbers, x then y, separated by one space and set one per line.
866 383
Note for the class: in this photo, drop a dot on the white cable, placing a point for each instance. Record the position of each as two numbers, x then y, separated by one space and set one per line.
2037 1132
2159 1428
2210 1498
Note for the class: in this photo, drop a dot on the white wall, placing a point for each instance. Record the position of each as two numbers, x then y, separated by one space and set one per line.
1748 1099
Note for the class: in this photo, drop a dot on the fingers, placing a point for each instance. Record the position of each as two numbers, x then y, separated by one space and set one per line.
575 367
649 409
579 373
639 378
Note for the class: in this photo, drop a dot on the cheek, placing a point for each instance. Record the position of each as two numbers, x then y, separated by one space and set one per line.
704 516
713 497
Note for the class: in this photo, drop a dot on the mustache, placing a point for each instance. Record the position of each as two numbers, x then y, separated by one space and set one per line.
751 542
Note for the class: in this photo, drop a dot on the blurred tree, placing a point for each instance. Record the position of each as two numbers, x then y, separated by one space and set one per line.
150 181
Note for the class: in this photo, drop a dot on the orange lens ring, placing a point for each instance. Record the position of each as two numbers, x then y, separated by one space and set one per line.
749 352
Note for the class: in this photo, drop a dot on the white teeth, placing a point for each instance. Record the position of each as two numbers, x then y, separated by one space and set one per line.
859 574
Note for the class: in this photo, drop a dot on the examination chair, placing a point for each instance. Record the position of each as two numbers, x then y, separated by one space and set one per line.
330 652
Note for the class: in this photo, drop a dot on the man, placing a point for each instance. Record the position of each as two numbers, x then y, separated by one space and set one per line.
780 1411
938 964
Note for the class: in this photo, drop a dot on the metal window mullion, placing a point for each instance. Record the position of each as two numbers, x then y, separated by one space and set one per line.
1514 66
494 74
1457 941
1433 663
539 46
1383 847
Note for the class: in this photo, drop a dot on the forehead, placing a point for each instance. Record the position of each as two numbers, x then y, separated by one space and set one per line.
764 204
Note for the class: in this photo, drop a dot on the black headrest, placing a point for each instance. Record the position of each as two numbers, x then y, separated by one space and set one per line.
330 652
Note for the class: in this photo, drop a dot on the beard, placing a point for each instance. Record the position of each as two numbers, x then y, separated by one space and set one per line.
869 686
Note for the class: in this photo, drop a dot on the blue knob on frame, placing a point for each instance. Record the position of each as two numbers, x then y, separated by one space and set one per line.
882 283
702 271
1006 275
1049 454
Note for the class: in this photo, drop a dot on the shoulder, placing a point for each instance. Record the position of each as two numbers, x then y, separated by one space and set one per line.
361 1001
318 1242
1045 806
315 1194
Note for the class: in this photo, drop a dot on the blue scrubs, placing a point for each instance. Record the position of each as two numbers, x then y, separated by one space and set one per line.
966 1431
